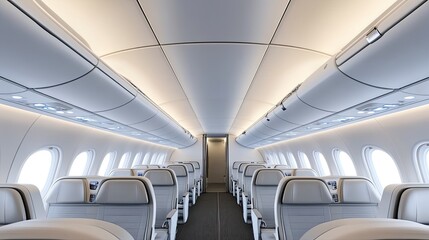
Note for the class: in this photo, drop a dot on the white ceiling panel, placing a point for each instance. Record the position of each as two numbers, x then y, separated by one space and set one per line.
213 21
282 69
215 77
327 26
148 70
107 25
185 115
215 71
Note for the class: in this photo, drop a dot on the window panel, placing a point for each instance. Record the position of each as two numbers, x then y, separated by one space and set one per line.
106 164
322 165
125 159
345 163
81 164
39 168
305 163
382 166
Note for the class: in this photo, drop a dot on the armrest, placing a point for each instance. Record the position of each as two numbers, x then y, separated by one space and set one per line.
184 208
257 223
171 223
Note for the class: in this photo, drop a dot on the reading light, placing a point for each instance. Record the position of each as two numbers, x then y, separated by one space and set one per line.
16 97
266 116
283 107
244 133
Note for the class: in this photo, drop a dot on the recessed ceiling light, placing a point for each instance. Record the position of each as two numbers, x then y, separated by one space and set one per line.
409 97
70 112
39 105
361 112
17 97
60 112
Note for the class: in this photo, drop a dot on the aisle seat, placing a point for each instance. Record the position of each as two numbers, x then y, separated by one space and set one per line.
264 186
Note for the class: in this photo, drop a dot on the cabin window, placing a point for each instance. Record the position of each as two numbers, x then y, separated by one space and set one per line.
161 159
322 165
125 160
81 164
137 159
146 158
39 168
291 159
344 163
305 163
383 168
107 164
422 155
153 159
283 159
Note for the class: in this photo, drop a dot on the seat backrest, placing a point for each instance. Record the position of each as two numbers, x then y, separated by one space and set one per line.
166 192
264 186
413 205
182 177
240 173
304 172
300 204
191 173
356 197
248 171
388 206
119 200
197 169
12 206
30 197
121 172
235 166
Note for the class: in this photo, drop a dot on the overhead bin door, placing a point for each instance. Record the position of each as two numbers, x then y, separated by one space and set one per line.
94 92
31 56
399 57
330 90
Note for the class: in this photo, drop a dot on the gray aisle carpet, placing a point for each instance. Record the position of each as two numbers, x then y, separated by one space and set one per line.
215 216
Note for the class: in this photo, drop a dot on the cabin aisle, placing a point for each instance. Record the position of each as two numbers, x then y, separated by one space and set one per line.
215 216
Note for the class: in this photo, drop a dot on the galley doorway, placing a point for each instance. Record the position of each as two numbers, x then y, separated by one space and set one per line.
216 159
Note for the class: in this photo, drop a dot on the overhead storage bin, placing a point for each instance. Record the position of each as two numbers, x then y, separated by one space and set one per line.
298 112
329 89
279 124
31 56
140 108
7 87
263 129
94 92
420 88
397 57
153 123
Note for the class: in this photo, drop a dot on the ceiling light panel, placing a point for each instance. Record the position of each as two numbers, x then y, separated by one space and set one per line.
213 21
327 26
107 26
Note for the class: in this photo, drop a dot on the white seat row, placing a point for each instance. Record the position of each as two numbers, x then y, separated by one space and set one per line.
23 217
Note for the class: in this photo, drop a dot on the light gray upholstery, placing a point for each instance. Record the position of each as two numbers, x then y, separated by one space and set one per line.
192 187
73 190
166 192
183 188
88 229
367 229
413 205
126 191
31 198
12 206
246 191
234 176
300 204
264 186
304 172
128 202
357 190
357 198
239 186
121 172
388 206
197 175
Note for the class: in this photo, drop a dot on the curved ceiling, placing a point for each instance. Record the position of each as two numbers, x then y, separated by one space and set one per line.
216 66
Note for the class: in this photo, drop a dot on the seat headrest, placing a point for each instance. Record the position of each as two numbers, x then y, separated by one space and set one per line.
160 177
122 191
73 190
179 170
413 205
241 167
190 167
306 191
250 169
196 164
140 167
121 172
235 165
304 172
12 206
357 190
268 177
